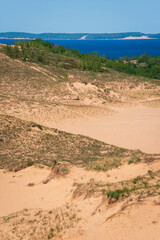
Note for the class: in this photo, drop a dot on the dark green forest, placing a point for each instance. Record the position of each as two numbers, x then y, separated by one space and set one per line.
44 52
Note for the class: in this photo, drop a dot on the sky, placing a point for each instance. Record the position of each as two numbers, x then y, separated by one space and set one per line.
80 16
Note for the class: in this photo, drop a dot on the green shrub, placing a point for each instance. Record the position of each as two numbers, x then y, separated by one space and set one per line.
134 159
39 126
30 163
151 173
118 193
135 180
130 161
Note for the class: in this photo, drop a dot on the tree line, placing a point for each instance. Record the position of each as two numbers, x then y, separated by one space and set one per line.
41 52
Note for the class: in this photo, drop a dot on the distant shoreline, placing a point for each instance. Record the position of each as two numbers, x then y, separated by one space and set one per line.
78 36
129 38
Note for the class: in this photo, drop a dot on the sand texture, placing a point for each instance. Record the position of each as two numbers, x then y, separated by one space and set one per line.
79 154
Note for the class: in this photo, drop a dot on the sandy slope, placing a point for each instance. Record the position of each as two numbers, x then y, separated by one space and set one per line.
133 128
136 220
57 192
80 106
139 220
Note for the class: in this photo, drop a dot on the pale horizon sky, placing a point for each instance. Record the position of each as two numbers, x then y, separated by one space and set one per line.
80 16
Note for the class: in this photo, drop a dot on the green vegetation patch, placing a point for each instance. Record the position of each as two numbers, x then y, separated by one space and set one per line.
118 193
44 52
144 65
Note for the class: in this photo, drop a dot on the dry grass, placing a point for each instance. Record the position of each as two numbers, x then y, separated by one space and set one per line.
37 223
25 143
48 84
137 188
48 95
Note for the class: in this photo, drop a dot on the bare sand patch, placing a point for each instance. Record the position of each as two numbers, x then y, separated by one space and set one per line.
133 128
16 195
138 221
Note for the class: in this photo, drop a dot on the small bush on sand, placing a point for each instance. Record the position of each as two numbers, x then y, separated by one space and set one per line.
118 193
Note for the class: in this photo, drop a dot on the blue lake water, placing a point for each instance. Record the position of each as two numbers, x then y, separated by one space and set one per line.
112 48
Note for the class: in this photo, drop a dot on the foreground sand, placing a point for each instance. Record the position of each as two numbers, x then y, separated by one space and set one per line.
57 192
139 219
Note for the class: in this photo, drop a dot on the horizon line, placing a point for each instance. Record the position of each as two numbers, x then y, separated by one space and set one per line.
77 32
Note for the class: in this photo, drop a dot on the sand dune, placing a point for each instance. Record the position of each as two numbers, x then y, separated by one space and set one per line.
57 192
133 128
138 219
117 204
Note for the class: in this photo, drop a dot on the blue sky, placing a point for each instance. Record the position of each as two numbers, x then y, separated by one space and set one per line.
72 16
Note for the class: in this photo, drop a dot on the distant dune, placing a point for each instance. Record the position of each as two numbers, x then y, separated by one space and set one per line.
83 38
79 36
142 37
